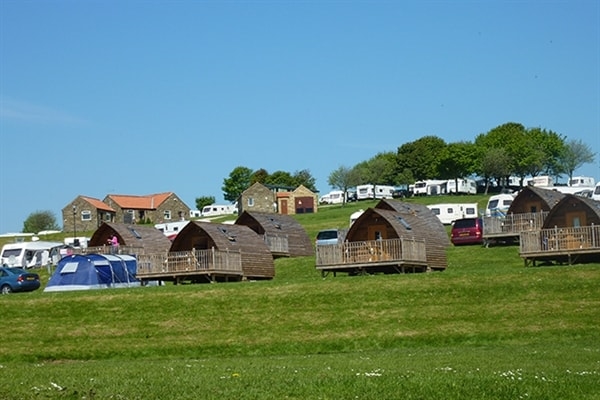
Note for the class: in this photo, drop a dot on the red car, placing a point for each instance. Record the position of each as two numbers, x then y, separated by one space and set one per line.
467 231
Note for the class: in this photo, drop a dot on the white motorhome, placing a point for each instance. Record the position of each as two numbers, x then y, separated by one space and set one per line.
430 187
465 186
582 181
333 197
447 213
498 205
28 254
218 209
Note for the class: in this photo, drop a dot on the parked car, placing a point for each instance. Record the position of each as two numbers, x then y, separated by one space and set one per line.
13 279
329 236
467 231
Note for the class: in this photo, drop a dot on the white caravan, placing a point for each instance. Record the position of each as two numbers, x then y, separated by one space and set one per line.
369 191
582 181
498 205
447 213
171 229
28 254
218 209
430 187
540 181
465 186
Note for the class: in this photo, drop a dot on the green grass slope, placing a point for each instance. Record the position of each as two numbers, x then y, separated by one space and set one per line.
486 328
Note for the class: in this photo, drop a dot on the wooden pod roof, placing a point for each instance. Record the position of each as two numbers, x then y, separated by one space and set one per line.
572 211
262 223
150 239
257 261
405 220
534 199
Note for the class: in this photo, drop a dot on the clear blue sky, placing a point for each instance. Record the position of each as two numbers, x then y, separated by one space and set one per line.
141 97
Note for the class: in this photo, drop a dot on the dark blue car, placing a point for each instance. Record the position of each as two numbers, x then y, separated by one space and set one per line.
17 280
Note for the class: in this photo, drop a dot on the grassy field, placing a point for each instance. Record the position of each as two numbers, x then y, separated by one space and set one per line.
486 328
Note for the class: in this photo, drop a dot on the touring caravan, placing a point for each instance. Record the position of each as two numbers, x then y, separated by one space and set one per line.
370 191
465 186
582 181
449 212
28 254
596 194
430 187
498 205
218 209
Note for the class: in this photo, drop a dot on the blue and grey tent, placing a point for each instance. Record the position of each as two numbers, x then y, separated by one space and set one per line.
93 271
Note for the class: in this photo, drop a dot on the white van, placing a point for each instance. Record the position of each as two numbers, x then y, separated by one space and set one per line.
447 213
28 254
498 205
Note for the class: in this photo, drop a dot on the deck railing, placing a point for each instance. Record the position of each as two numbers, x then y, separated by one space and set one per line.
206 261
132 250
560 240
277 243
513 224
372 251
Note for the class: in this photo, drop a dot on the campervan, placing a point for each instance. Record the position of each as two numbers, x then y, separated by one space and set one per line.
333 197
465 186
28 254
498 205
218 209
449 212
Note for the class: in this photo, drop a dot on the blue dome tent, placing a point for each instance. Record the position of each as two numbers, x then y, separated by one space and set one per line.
93 271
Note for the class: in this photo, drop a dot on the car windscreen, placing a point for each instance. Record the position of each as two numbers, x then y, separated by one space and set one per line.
464 223
325 235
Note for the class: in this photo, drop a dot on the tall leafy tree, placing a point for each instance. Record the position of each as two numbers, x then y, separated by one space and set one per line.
380 169
575 155
495 164
458 161
304 177
204 201
282 178
260 176
239 180
40 221
343 178
422 157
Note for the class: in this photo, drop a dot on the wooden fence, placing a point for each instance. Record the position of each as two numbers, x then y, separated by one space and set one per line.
557 243
209 261
388 251
513 224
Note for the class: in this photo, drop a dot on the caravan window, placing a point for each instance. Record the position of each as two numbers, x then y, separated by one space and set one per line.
11 252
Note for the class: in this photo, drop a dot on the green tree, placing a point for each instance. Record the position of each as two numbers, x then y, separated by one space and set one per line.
260 176
280 178
421 157
495 164
343 178
203 201
305 178
239 180
575 155
380 169
40 221
458 161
